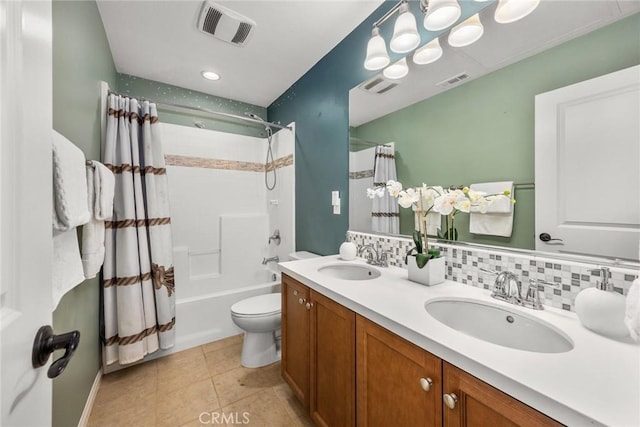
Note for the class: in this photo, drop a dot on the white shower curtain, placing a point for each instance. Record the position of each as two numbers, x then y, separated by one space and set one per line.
138 275
385 216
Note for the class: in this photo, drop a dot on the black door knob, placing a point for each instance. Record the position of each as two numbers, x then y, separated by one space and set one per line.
46 343
546 237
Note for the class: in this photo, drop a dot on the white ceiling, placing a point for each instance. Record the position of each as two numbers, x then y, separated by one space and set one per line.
158 40
552 23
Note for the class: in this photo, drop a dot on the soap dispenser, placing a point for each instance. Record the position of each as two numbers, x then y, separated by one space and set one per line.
602 309
348 250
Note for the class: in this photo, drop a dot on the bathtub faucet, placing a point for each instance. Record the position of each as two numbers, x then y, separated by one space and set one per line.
272 259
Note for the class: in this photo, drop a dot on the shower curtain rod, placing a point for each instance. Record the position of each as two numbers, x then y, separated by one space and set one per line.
206 110
367 142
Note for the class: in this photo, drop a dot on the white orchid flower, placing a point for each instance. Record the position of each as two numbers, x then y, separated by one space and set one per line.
408 197
372 193
394 188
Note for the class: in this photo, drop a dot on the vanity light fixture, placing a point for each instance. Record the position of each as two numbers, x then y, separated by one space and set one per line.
405 31
428 53
467 32
210 75
440 14
377 56
512 10
397 70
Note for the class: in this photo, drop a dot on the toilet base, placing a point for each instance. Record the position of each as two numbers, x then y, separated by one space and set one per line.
259 349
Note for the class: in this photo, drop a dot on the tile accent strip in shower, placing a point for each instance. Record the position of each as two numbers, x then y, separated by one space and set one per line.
207 163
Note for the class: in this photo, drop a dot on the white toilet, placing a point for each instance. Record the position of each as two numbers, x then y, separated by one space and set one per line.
260 318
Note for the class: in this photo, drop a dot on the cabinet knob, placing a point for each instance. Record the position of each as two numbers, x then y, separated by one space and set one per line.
426 383
295 292
301 301
450 399
309 305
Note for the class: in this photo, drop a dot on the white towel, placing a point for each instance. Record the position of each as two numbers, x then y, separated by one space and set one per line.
632 311
103 190
101 185
498 220
69 185
67 266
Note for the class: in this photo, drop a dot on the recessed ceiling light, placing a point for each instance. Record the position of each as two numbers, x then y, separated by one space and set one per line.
210 75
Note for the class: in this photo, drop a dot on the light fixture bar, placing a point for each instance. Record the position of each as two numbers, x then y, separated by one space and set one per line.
390 13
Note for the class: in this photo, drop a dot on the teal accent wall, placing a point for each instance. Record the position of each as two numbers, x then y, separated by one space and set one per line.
81 59
161 92
319 104
488 117
483 130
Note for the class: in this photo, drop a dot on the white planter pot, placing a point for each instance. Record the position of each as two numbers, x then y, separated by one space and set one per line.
431 274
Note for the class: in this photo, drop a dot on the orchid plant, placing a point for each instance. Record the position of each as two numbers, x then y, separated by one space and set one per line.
445 201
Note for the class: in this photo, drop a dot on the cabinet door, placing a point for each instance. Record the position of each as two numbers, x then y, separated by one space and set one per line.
295 338
398 382
332 363
479 404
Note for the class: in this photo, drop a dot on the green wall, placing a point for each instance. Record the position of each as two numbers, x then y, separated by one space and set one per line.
483 130
81 59
493 114
160 92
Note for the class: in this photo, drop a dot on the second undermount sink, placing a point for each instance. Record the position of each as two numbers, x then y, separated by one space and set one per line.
499 325
350 271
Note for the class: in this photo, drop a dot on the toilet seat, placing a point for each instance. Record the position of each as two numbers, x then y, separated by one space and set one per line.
258 306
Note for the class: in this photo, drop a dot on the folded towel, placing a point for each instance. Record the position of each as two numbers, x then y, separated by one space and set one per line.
498 219
67 267
104 183
101 184
69 185
632 311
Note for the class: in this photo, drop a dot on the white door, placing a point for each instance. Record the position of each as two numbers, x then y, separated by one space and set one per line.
25 207
587 166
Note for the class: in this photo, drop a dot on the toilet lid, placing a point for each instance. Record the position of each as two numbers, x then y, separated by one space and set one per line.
257 306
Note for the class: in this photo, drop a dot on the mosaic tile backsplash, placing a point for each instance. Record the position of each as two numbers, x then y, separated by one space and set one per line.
463 265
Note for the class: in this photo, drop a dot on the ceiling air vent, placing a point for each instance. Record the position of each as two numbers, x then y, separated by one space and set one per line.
377 85
453 80
225 24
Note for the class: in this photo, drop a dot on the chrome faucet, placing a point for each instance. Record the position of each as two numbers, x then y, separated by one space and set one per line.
271 259
380 260
506 287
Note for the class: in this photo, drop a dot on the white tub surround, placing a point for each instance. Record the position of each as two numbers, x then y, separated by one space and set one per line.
596 383
222 217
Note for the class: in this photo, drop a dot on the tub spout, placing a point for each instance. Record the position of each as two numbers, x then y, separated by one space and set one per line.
271 259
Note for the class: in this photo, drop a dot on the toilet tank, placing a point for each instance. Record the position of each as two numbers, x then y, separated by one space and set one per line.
302 255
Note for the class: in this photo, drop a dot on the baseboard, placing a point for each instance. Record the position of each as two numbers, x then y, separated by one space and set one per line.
88 406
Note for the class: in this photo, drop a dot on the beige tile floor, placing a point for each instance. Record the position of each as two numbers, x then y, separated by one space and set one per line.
201 386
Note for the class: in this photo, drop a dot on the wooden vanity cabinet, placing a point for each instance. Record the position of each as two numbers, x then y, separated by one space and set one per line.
392 383
318 353
399 383
471 402
295 338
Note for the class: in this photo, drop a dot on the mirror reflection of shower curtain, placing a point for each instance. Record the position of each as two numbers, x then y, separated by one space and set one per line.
385 216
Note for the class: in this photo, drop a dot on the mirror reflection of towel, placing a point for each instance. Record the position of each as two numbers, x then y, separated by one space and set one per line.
498 220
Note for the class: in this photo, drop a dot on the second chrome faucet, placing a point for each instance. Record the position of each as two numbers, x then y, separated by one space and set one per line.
507 288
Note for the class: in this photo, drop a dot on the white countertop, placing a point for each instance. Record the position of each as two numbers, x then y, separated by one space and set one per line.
596 383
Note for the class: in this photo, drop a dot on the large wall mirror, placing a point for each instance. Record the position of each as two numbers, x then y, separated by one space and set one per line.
470 118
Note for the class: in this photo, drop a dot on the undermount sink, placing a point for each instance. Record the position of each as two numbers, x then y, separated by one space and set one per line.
498 325
350 271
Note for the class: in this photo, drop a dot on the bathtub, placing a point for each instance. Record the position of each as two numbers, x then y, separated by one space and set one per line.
207 318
